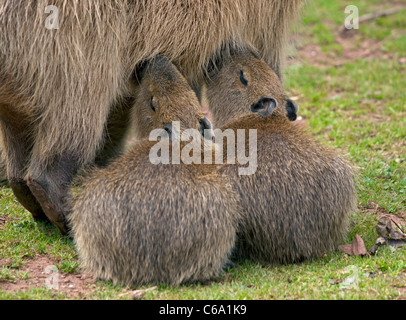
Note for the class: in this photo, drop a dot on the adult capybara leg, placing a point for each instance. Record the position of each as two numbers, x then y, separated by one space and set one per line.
24 195
67 138
50 189
16 148
116 130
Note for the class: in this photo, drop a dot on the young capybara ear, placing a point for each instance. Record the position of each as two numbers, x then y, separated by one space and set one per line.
291 110
140 71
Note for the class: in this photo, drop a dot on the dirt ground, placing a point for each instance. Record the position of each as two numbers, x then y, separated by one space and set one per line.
41 274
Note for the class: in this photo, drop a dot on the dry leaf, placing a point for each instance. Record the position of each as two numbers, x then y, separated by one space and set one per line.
387 228
357 248
396 243
391 231
346 248
138 294
378 243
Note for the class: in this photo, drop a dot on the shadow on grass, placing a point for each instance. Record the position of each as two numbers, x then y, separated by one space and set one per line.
4 183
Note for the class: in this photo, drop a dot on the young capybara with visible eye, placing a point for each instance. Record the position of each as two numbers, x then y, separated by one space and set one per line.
297 202
65 69
135 222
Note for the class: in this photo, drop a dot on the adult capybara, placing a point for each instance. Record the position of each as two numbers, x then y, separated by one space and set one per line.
66 68
296 205
135 222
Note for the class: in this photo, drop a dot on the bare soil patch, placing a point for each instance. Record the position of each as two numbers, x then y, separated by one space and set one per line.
353 47
40 275
365 49
375 209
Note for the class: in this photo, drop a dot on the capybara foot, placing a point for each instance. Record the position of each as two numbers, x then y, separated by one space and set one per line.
27 199
51 207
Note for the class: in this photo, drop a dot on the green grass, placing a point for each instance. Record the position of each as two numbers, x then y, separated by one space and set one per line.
357 106
319 279
366 116
23 238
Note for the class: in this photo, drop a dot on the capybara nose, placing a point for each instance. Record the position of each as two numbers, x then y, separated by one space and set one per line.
264 106
291 109
168 128
206 128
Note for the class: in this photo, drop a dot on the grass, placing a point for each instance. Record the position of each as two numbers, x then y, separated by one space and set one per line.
354 103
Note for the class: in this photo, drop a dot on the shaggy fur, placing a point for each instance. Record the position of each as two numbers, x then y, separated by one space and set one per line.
3 170
296 205
62 85
138 223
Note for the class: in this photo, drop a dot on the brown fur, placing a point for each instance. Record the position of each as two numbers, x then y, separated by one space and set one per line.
63 84
230 99
296 205
3 169
167 92
138 223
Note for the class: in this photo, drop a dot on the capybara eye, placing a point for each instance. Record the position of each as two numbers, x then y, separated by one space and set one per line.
152 104
243 80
